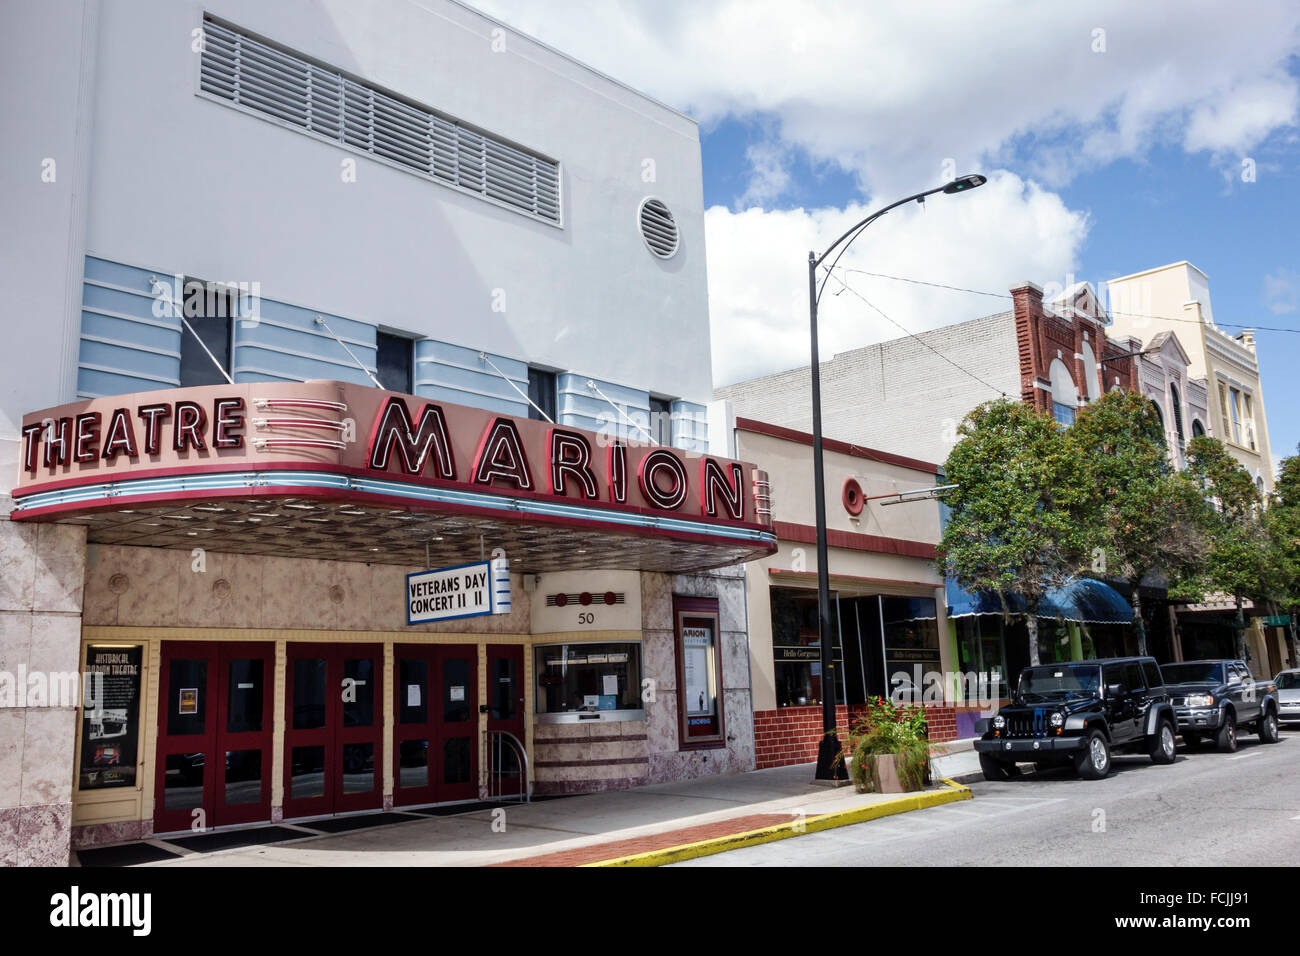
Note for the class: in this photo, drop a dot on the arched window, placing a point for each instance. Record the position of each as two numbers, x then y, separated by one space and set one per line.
1065 397
1197 428
1178 412
1091 378
1155 406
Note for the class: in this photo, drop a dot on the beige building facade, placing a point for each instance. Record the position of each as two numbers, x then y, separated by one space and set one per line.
1176 298
892 634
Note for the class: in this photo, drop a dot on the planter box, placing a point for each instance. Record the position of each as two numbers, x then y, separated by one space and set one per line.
882 774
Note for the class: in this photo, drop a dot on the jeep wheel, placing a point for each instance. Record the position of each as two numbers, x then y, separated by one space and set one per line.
1160 746
1093 761
1226 739
1268 728
995 769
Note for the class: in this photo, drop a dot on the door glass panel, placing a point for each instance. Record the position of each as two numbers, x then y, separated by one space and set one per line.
307 773
455 691
455 760
358 768
359 692
188 708
243 776
1133 677
413 691
183 784
308 693
502 689
413 763
244 697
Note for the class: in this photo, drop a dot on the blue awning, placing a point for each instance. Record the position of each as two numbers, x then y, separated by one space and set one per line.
1083 601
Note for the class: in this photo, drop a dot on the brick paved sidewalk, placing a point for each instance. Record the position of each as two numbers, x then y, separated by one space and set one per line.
654 841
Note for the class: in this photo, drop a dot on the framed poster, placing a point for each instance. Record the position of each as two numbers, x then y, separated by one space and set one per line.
699 673
110 716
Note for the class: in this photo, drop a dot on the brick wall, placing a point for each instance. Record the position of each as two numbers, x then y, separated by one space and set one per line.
791 735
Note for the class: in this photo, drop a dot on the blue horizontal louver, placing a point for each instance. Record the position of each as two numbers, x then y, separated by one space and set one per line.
453 373
125 347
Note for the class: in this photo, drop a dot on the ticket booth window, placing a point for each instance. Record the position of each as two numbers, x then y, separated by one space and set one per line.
589 680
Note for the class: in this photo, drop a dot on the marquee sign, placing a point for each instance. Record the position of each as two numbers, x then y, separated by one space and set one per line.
470 590
346 442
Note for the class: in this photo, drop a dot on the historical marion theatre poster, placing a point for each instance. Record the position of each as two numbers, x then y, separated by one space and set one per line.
110 727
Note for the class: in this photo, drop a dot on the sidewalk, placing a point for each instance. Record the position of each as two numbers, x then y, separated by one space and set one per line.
628 827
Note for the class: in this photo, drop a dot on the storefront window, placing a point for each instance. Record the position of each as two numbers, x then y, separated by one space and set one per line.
980 652
911 644
796 646
588 679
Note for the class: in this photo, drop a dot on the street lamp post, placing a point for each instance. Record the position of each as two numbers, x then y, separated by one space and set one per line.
828 767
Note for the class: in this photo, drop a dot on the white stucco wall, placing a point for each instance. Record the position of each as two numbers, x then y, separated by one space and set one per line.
173 181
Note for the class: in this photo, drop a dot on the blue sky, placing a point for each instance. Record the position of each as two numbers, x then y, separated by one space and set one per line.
1166 206
1112 134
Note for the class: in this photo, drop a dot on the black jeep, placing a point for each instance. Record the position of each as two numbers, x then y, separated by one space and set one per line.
1080 712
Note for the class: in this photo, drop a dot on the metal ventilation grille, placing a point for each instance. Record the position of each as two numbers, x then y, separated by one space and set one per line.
658 228
260 77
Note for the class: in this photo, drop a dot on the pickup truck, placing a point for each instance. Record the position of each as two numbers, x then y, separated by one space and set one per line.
1214 699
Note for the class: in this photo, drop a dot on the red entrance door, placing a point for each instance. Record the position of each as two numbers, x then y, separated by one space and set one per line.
505 692
333 729
435 737
214 735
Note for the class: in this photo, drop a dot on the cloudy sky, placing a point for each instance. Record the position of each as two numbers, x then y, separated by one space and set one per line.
1116 137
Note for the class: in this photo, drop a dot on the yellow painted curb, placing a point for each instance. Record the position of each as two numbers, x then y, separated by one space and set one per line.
781 831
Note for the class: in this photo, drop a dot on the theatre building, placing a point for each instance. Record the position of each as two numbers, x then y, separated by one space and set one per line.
353 443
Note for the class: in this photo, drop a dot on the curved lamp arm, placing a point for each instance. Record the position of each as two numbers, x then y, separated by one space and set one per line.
961 184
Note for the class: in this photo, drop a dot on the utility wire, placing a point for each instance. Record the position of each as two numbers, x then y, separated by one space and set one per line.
1133 315
911 334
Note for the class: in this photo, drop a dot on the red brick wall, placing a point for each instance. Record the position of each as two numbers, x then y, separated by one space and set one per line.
1042 337
791 735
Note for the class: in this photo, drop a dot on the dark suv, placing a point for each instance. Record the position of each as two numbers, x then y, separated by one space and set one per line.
1214 699
1080 712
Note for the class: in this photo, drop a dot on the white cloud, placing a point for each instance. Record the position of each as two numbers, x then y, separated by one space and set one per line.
758 275
1238 119
769 174
890 89
1282 292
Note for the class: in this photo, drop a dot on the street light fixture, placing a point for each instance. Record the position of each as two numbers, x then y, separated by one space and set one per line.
828 766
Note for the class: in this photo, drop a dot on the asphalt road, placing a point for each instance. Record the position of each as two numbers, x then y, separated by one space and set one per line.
1206 809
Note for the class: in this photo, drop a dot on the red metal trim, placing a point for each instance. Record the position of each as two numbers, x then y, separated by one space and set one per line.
832 444
855 540
812 576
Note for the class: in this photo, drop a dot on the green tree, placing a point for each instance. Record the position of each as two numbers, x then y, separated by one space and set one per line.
1011 528
1238 556
1282 524
1140 513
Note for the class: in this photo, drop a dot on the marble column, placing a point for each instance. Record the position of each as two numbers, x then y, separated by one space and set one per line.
42 573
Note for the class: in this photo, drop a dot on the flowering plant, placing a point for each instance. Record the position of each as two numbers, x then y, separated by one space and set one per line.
888 728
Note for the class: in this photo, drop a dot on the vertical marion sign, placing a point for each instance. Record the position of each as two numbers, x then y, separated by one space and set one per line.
467 590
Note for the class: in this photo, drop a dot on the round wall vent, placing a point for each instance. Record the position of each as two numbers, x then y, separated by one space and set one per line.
658 228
